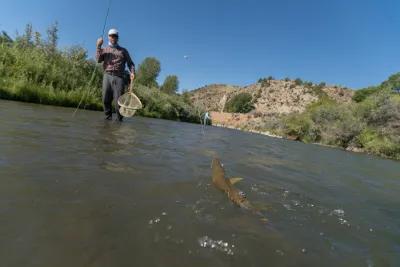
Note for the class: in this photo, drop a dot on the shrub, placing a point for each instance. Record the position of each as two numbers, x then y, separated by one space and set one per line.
241 103
380 109
376 143
299 126
362 94
161 105
298 82
308 84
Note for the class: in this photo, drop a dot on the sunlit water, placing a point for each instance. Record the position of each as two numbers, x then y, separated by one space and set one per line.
85 192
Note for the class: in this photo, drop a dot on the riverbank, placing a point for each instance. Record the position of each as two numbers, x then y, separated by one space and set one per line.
32 94
269 134
156 103
277 128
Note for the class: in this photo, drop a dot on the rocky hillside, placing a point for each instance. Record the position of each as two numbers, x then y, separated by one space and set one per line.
271 97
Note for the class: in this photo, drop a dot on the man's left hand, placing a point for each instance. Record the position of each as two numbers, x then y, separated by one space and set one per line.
132 76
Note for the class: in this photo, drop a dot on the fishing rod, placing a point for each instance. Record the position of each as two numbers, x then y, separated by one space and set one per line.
84 96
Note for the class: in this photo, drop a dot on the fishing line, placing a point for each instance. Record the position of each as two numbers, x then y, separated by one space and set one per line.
85 95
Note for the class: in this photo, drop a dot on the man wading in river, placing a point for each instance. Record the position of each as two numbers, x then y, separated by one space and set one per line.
114 58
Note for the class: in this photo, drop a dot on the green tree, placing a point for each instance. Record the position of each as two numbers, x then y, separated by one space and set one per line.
241 103
26 39
170 85
148 72
308 84
28 34
298 82
52 37
38 39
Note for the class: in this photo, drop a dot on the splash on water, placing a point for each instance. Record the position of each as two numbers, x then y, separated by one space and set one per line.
154 221
218 245
339 213
286 193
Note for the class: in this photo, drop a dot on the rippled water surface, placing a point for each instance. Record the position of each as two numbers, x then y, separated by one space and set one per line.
85 192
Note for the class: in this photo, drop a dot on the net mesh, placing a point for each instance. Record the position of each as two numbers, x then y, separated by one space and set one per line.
129 103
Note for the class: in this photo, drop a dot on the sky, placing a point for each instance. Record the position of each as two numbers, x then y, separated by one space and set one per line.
353 43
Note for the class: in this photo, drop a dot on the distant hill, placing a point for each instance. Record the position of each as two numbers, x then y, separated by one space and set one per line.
271 96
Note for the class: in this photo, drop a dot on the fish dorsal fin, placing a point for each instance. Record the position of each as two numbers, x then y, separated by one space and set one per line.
235 180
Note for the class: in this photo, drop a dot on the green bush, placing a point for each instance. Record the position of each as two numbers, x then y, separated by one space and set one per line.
299 126
308 84
390 86
392 83
380 110
326 112
362 94
161 105
298 82
374 142
240 103
337 124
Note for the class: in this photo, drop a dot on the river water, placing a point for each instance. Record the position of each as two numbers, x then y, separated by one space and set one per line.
85 192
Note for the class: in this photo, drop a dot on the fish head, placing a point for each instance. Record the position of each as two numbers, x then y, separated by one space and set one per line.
217 165
239 198
218 174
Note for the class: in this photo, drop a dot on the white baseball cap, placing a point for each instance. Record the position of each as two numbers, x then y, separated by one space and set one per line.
113 32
